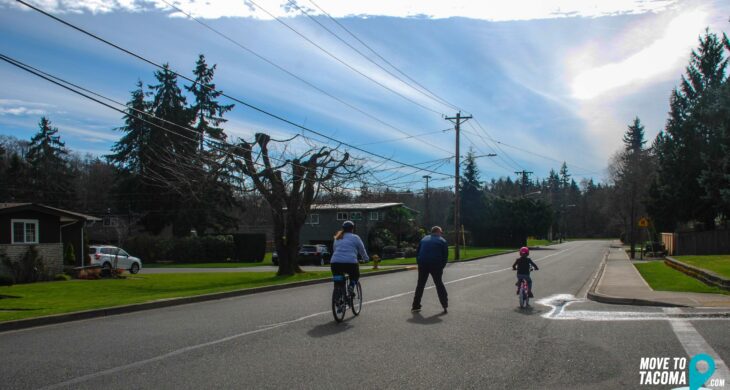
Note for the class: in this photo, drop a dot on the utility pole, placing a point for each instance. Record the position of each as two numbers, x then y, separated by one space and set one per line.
457 120
427 221
523 181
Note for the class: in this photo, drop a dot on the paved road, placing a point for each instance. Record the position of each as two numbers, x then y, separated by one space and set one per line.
287 339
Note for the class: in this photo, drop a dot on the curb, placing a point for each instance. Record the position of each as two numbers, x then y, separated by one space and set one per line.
602 298
707 277
110 311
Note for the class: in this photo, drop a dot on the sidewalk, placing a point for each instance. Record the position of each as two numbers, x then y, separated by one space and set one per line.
619 282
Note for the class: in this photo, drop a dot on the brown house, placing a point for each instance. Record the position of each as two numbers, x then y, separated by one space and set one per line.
48 229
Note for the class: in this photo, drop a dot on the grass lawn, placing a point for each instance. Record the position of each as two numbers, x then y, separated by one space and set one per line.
466 254
532 242
719 264
39 299
267 261
664 278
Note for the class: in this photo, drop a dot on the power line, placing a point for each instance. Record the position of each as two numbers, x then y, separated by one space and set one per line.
304 12
281 68
340 60
251 106
440 99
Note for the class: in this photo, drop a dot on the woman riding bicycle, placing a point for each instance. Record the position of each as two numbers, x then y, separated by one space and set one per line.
347 246
523 266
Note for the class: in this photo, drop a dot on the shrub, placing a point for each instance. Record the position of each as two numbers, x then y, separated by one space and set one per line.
185 250
149 249
6 280
218 248
410 252
69 255
29 269
380 238
250 247
61 277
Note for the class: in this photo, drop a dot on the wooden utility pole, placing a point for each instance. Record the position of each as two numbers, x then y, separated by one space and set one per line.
427 220
523 181
457 120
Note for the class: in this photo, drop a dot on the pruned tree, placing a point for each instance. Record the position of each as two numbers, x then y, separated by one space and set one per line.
290 186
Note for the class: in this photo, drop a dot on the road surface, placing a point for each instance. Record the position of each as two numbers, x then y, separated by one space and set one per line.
287 339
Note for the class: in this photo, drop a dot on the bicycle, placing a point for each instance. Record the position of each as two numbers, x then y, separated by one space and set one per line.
342 297
524 292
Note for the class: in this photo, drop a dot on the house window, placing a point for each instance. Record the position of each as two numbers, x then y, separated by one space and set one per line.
313 219
342 216
374 215
24 231
356 216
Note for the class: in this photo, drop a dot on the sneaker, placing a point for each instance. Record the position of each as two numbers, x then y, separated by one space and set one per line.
446 309
415 309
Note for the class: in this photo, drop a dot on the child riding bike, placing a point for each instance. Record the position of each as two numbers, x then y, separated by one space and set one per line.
523 265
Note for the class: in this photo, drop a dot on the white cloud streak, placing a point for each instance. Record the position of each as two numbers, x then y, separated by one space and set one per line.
435 9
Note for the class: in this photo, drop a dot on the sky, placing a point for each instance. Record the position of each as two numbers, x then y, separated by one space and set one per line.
545 81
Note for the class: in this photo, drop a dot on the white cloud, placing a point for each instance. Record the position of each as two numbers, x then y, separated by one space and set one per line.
656 59
436 9
17 107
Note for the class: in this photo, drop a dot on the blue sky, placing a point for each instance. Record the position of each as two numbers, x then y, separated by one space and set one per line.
551 80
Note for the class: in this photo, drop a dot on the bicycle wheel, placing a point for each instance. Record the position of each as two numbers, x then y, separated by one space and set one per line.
356 301
523 297
339 306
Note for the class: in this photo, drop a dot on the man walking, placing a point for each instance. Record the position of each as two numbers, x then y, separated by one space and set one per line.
433 253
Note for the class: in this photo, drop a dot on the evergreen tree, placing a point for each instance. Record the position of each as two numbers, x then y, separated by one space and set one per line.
634 137
472 205
677 195
50 176
129 153
207 112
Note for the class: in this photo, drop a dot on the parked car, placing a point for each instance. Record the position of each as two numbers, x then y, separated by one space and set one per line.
105 255
316 254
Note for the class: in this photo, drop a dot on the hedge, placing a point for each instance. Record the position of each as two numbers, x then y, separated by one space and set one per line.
206 249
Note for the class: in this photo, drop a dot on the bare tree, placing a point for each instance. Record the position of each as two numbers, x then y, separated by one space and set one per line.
290 186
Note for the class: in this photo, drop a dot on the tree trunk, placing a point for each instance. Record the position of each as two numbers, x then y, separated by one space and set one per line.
286 231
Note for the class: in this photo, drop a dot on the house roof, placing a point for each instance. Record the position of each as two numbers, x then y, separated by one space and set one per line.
354 206
64 214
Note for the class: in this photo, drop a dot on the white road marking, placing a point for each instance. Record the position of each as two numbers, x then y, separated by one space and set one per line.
559 302
262 328
693 343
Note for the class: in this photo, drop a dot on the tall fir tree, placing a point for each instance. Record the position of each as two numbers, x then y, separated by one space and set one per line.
129 153
207 111
471 197
49 169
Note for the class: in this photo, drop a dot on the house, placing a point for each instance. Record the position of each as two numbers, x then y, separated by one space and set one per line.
324 220
48 229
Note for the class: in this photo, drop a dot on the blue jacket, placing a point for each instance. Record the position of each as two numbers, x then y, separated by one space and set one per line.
432 250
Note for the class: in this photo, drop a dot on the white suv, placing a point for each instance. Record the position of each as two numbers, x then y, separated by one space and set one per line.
106 256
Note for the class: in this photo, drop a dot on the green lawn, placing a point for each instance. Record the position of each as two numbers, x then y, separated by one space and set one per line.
533 242
664 278
466 254
267 261
719 264
39 299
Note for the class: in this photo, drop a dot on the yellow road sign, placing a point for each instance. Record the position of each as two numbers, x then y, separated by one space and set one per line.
644 222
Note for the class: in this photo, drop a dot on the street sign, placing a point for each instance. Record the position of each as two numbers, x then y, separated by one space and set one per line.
644 222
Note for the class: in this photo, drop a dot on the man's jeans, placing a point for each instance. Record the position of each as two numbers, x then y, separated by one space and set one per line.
436 271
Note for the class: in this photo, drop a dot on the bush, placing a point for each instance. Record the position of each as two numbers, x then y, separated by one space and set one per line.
6 280
218 248
250 248
149 249
410 252
61 277
69 255
29 269
185 250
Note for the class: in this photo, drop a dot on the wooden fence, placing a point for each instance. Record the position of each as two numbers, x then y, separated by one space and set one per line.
712 242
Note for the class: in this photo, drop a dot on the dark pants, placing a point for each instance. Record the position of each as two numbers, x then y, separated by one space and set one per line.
436 271
526 277
351 269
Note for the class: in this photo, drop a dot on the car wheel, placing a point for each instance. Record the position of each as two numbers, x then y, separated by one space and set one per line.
134 269
107 266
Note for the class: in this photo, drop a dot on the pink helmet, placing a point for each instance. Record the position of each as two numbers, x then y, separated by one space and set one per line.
524 251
